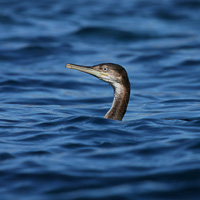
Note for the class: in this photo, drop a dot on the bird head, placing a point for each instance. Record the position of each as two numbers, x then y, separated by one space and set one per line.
108 72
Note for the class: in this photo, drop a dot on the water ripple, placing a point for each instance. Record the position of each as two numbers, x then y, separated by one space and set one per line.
54 141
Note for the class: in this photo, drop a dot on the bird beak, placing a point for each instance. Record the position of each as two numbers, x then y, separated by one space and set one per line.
88 70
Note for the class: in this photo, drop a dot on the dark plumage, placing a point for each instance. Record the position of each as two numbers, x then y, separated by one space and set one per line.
116 76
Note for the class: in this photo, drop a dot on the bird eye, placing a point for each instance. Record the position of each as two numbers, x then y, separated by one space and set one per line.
105 68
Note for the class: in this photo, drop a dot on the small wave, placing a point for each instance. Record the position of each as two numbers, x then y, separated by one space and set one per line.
111 34
6 156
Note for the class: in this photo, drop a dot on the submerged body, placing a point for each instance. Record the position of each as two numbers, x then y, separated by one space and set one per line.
116 76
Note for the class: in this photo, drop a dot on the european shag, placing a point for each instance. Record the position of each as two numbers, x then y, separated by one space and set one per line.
116 76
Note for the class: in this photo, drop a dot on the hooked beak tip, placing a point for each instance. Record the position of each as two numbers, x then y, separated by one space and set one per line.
67 66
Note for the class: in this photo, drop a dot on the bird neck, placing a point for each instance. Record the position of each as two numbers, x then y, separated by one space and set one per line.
120 102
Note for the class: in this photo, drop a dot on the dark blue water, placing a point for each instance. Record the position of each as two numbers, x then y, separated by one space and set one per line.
54 141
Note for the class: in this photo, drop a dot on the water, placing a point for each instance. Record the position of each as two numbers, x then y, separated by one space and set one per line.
54 141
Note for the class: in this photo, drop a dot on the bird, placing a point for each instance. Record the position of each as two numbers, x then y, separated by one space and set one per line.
117 77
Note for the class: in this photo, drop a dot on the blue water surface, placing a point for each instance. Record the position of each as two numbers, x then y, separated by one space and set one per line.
54 141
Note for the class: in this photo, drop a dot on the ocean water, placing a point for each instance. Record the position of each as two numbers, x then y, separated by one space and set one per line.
54 141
